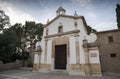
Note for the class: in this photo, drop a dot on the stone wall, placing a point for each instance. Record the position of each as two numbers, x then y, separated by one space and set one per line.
13 65
109 51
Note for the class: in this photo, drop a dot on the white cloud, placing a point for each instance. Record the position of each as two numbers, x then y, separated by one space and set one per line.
91 15
15 15
82 3
106 26
18 16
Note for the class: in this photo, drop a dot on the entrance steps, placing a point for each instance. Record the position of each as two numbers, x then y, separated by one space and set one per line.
59 72
77 72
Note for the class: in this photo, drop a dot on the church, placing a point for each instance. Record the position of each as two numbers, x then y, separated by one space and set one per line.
68 45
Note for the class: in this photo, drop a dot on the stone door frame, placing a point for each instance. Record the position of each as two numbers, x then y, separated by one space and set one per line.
60 57
60 41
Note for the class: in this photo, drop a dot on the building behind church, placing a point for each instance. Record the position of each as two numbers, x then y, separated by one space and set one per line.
109 47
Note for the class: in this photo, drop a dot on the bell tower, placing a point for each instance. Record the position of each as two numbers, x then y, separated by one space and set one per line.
60 11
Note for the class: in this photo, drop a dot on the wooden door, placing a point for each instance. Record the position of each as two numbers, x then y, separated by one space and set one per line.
60 57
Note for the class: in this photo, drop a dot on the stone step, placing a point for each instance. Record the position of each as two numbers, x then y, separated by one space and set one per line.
59 72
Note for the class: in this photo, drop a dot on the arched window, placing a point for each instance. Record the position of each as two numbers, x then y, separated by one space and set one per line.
60 29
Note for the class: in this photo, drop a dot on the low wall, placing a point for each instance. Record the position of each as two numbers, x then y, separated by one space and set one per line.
12 65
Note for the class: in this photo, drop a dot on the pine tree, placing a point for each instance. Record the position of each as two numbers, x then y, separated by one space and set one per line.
118 15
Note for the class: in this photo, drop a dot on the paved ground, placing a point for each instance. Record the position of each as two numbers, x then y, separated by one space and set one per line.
27 74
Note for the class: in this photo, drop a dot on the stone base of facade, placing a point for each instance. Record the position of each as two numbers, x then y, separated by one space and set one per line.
35 67
95 69
77 72
85 69
45 68
74 69
41 67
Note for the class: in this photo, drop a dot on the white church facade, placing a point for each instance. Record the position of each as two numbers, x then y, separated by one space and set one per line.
67 44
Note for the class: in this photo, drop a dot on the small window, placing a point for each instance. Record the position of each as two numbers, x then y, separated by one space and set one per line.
110 38
60 29
75 23
112 55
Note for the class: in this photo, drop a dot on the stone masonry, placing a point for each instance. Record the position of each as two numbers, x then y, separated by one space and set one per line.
109 42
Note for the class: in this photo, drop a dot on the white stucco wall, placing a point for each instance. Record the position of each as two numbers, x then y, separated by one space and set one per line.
82 56
94 59
68 25
49 51
83 35
42 44
72 50
36 59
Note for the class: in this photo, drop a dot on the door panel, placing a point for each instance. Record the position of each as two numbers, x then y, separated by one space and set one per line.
60 57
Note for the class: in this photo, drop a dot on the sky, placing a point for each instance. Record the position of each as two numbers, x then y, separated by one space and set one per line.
99 14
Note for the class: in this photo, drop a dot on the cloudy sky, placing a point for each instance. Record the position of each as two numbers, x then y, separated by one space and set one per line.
99 14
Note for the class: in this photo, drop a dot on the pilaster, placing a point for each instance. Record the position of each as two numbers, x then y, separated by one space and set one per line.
45 55
86 53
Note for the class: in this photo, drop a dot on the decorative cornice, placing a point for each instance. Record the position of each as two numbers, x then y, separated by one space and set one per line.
63 33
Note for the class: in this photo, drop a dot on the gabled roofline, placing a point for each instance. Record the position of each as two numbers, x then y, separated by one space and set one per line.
86 26
69 16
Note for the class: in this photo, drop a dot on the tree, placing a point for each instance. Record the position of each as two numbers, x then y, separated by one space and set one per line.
91 29
19 48
4 20
7 39
17 28
14 40
7 46
118 15
32 32
17 40
27 36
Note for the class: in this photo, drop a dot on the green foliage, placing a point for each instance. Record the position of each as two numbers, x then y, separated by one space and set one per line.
4 20
32 32
7 45
91 29
39 31
17 28
13 41
32 29
118 15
